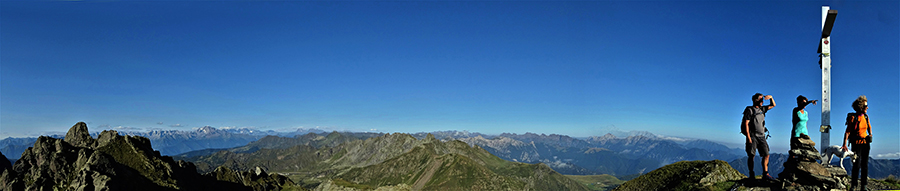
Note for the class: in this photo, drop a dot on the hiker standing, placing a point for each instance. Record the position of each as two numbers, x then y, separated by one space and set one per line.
799 119
754 127
859 133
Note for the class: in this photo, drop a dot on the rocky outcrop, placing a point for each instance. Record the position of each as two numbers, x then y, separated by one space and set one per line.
111 162
79 136
256 178
684 175
802 172
332 186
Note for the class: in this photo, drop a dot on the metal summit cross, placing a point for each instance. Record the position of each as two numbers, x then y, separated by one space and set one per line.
828 16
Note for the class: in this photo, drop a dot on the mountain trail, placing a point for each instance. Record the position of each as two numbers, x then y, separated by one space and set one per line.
427 175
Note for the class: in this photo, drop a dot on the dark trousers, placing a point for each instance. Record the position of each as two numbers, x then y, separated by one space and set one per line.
862 152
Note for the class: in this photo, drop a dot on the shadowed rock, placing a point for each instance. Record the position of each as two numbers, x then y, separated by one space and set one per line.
4 163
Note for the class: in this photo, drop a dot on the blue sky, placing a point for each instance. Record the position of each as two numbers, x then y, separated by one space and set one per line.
673 68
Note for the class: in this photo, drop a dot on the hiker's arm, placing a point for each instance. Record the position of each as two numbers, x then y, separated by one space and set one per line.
771 102
844 146
870 128
746 127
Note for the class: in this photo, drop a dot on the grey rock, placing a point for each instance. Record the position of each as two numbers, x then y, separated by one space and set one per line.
837 171
805 144
106 137
79 136
805 155
801 172
259 172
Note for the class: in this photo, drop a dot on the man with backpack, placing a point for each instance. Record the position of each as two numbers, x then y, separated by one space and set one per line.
753 126
859 133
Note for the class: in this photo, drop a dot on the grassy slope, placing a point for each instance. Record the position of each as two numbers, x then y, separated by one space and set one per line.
461 167
678 176
597 182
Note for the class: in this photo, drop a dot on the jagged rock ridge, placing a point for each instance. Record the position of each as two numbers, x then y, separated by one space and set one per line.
114 162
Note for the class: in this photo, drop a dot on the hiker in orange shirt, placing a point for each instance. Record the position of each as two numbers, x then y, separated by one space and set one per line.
859 133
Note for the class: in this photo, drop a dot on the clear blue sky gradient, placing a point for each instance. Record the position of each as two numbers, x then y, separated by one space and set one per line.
672 68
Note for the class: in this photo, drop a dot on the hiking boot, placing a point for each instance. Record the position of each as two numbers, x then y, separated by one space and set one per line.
752 175
768 177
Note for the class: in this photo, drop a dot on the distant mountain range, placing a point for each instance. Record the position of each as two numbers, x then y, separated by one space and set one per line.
638 153
171 142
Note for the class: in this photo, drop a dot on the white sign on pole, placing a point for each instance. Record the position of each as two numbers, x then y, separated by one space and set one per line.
828 17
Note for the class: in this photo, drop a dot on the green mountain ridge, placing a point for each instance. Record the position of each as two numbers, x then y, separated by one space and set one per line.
455 165
391 160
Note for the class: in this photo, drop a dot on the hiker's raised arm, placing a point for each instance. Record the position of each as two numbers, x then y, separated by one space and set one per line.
771 102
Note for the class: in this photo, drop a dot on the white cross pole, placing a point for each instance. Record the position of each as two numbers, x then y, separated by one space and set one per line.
825 63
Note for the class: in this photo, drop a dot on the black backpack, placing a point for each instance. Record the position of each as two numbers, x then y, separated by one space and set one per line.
743 129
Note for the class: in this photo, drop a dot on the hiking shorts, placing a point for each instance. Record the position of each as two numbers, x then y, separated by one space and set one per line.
759 143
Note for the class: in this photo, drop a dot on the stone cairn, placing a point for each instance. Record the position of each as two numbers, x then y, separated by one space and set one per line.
802 172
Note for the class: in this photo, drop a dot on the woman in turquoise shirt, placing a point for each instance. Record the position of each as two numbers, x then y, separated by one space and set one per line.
799 119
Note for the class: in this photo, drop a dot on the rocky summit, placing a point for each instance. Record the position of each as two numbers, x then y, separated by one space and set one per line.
114 162
802 172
